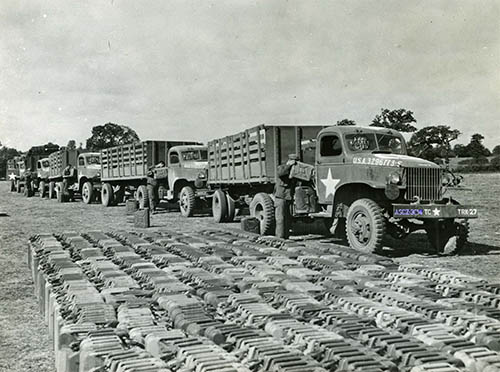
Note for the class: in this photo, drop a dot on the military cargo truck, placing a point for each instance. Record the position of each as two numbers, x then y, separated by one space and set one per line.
27 166
85 180
125 168
15 169
360 180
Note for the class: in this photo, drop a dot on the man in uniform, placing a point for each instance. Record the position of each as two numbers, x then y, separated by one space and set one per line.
283 193
152 186
28 179
68 180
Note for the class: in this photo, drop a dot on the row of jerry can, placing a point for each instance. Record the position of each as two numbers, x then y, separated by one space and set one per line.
213 299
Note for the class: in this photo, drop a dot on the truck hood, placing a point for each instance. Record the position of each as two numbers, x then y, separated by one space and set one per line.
392 160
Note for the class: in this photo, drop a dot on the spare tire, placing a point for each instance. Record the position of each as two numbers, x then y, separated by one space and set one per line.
219 206
106 194
262 208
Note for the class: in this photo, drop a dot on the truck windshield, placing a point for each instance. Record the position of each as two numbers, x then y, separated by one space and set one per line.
195 155
374 142
93 159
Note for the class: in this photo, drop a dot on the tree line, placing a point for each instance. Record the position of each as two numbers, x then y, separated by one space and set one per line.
432 142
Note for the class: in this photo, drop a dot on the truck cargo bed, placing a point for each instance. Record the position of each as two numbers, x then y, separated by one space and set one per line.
252 156
132 161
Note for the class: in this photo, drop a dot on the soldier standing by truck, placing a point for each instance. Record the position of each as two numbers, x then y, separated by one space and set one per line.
283 191
68 180
152 186
28 176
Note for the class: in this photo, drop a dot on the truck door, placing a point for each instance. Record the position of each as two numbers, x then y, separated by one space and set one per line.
330 166
174 164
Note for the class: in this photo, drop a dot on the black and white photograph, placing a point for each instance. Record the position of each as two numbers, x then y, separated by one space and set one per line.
250 186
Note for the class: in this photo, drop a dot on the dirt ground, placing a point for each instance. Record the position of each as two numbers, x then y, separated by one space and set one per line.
24 345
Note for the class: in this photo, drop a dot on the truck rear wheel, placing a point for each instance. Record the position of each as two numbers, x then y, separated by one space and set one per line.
231 208
262 208
365 226
41 189
448 237
106 194
52 190
187 201
143 197
219 206
88 192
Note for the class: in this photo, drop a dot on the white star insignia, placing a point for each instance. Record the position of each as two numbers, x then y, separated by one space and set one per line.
330 184
12 176
436 212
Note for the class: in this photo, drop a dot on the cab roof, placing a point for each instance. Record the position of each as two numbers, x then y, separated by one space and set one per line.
357 129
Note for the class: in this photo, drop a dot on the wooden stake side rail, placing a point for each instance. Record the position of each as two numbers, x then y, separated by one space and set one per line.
132 161
252 156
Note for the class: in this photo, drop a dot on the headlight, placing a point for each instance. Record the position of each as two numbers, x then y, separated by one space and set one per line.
201 175
394 178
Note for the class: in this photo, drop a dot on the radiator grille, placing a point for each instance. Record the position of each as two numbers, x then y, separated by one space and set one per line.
424 183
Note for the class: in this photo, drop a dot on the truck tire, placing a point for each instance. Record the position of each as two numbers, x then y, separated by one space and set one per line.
365 226
52 190
107 194
262 208
219 206
231 208
59 193
41 189
87 192
187 201
143 197
448 237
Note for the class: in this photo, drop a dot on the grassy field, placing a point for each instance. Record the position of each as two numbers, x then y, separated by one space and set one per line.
24 345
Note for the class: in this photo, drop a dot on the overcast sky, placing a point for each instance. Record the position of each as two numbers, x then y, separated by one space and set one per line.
196 70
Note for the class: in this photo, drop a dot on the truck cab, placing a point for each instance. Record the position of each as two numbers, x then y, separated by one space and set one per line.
186 170
89 175
43 168
365 180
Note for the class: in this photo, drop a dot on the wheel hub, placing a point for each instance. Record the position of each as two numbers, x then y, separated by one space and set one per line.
360 227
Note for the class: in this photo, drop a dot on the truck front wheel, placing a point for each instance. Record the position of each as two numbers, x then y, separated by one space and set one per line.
187 201
365 226
262 208
107 194
87 192
52 190
143 197
219 206
448 236
41 189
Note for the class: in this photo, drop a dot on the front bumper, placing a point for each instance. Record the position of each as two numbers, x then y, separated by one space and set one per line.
434 211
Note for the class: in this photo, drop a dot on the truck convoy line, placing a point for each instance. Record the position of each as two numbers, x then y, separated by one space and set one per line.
359 180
